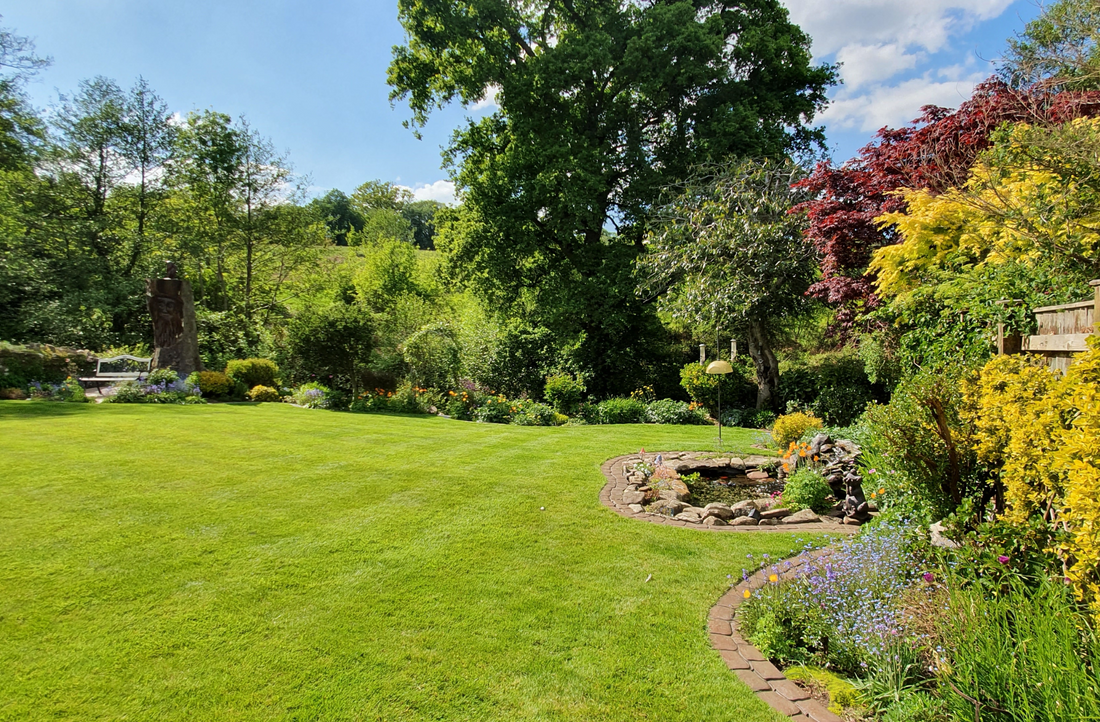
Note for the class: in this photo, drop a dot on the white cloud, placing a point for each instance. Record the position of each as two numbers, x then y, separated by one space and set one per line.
862 64
877 41
926 24
489 100
896 105
441 190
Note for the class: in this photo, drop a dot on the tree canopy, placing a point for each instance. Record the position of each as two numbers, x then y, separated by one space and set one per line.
599 106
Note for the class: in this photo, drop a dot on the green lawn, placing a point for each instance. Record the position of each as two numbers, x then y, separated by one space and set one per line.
268 562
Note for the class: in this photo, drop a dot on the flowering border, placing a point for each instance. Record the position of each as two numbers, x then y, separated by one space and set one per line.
612 497
769 684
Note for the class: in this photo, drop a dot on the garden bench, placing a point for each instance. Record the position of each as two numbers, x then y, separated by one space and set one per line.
126 363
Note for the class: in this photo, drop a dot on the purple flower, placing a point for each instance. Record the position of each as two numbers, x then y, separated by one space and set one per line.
928 577
1002 559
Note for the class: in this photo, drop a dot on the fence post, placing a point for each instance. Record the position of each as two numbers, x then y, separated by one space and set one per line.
1095 304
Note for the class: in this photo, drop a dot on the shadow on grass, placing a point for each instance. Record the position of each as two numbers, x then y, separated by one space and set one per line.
38 409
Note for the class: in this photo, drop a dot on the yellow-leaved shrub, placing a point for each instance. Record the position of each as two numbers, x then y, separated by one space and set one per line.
1044 431
791 427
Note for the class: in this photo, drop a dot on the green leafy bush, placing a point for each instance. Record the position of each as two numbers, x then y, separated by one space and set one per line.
432 355
227 335
667 411
833 386
462 404
532 413
737 389
806 489
311 395
263 393
748 418
68 390
162 377
621 411
564 393
330 345
791 427
253 372
494 410
213 384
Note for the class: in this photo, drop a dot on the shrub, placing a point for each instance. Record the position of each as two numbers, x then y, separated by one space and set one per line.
461 404
214 384
806 489
702 387
833 386
494 410
1039 431
667 411
792 426
13 394
332 345
253 372
432 355
564 392
410 399
621 411
748 418
227 335
68 390
532 413
311 395
168 390
263 393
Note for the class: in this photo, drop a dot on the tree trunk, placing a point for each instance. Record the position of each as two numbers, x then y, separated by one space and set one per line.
767 366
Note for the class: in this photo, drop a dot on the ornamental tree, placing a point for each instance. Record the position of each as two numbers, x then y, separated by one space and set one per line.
728 252
936 153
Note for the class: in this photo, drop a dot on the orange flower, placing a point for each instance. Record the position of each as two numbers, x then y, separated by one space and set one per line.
773 578
786 467
802 452
882 491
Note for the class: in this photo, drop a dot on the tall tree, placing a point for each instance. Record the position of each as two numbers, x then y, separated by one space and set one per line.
147 140
728 253
1058 49
600 105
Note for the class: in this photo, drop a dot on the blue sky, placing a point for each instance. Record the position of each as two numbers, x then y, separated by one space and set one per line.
312 75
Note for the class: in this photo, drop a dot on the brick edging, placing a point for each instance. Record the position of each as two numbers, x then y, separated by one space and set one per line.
747 662
611 496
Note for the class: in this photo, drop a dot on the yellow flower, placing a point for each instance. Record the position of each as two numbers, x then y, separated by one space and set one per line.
747 594
773 578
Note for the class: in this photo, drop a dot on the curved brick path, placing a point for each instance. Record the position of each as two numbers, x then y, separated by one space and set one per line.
745 660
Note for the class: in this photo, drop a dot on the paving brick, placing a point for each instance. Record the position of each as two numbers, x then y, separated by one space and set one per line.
765 669
719 626
748 651
721 612
781 705
721 641
817 711
755 682
789 689
734 660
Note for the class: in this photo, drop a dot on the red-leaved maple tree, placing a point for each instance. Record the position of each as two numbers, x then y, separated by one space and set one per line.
935 152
